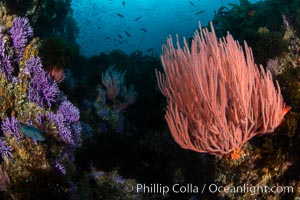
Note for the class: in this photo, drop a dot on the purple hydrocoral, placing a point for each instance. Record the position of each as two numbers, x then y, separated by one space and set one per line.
76 130
5 150
20 32
68 131
42 89
11 126
119 179
63 128
33 66
69 111
5 61
67 122
60 167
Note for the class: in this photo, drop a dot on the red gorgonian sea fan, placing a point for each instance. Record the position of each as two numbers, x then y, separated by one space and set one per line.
218 98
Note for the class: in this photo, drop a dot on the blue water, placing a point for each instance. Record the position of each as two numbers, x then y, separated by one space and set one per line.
147 23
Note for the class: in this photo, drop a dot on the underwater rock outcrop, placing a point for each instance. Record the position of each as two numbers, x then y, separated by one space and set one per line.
40 127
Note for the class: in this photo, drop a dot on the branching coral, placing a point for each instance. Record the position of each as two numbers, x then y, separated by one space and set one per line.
11 126
5 150
67 122
113 101
42 89
115 85
20 32
218 99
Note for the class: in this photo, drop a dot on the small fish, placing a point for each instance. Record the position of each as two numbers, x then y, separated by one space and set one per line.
123 2
120 15
143 29
127 34
136 19
120 36
32 132
192 3
198 13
